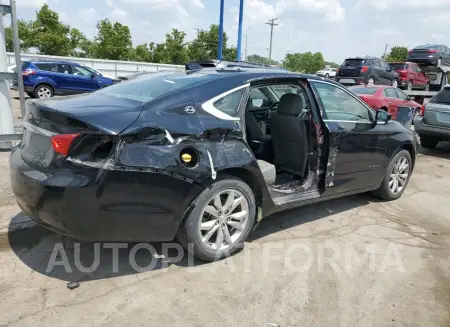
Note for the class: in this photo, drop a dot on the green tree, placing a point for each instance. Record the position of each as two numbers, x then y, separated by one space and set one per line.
205 45
331 64
175 50
52 37
113 41
24 28
397 54
304 62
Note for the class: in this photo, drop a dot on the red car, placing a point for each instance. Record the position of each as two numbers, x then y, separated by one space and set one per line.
410 76
386 98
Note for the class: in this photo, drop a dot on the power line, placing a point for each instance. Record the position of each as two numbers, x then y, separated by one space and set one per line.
272 24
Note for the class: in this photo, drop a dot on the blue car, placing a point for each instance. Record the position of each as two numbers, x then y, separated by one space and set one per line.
44 79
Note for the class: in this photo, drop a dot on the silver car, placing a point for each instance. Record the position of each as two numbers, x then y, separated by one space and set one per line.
433 123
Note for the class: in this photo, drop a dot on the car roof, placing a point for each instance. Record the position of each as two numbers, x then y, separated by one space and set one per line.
361 58
371 86
43 61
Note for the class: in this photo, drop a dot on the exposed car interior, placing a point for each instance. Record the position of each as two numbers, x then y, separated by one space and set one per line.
277 123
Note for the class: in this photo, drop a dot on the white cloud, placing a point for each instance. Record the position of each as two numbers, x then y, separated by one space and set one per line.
332 9
406 4
198 3
88 15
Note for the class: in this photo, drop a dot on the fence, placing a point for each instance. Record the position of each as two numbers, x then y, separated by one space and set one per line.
111 68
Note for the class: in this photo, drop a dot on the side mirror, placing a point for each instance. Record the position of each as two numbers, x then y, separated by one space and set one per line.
93 75
382 116
257 103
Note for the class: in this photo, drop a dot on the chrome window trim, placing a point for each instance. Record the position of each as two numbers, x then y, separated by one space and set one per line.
352 95
208 106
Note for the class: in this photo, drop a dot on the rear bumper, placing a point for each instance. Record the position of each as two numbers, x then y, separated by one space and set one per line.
429 130
116 206
356 80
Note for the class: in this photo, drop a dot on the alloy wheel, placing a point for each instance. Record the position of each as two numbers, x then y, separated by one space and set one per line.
394 83
370 81
427 87
44 92
224 219
399 175
439 62
410 85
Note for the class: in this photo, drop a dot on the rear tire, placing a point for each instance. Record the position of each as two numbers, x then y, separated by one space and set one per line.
397 177
428 142
43 91
191 233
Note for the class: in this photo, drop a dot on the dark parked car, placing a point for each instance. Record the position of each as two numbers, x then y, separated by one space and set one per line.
211 63
193 155
366 71
430 54
44 79
410 76
433 124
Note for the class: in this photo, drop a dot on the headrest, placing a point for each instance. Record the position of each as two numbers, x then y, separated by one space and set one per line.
290 104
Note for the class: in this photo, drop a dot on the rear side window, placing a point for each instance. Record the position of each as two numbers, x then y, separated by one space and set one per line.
25 64
43 66
443 97
229 104
398 66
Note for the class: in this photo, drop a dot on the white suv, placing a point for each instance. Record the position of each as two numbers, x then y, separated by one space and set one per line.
327 72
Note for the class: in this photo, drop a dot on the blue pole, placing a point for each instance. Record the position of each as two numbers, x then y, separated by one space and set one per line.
219 49
241 13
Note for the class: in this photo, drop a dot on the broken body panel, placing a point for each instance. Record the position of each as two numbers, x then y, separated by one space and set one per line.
124 178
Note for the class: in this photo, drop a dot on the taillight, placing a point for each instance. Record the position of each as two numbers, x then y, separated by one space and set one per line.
61 143
28 72
422 111
432 51
402 73
364 69
410 51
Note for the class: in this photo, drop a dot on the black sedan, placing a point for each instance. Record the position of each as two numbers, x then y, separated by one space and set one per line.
203 156
430 54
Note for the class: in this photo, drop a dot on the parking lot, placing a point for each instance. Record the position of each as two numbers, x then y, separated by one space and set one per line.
349 262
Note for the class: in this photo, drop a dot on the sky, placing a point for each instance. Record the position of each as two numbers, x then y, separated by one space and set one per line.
337 28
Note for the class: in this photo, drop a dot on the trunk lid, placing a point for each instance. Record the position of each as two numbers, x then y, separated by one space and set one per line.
88 118
437 111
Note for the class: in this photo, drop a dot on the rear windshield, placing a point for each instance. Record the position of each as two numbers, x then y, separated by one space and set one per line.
150 86
363 90
434 47
353 62
443 97
398 66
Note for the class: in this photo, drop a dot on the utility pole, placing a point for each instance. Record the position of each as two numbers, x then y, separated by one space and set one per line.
220 45
385 50
241 14
272 24
246 44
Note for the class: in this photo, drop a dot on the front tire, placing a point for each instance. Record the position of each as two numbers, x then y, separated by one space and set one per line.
397 177
221 220
428 142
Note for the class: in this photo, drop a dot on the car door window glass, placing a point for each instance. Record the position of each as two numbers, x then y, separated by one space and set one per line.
229 104
257 99
80 71
390 93
341 105
282 89
63 69
43 66
401 94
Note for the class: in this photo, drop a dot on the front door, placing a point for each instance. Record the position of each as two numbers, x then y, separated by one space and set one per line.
84 80
357 157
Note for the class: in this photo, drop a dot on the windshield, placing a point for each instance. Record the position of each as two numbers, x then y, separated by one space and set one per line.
443 97
364 90
150 86
92 70
398 66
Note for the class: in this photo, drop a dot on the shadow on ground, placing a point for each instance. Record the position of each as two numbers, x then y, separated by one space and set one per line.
36 245
442 151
